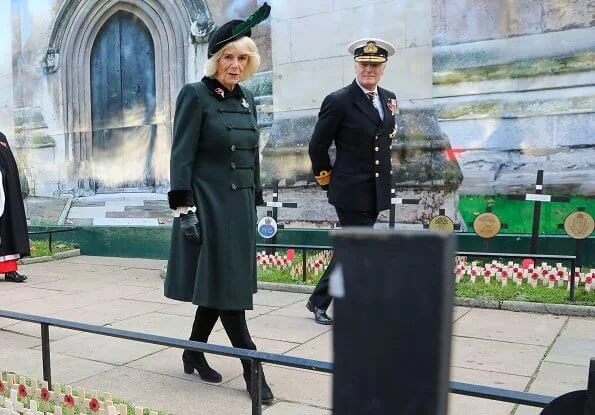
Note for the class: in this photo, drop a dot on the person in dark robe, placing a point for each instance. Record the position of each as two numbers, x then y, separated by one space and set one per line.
14 239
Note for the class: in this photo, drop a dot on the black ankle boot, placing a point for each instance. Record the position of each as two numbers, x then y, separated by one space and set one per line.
196 361
267 393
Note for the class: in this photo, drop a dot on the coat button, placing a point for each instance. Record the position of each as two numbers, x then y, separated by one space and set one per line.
233 187
376 137
254 127
376 149
233 147
229 127
377 162
377 174
233 166
391 172
249 110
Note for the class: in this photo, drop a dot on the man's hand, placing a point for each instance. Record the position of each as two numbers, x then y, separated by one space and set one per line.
189 225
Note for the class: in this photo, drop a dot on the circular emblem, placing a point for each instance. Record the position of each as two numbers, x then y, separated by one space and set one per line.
487 225
441 223
579 225
267 227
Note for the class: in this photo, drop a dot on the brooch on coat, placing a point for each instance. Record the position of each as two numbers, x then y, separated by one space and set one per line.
245 103
219 91
392 106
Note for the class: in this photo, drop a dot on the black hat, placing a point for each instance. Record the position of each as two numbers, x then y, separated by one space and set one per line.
235 29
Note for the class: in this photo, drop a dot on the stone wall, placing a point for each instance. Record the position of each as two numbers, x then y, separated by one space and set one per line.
513 89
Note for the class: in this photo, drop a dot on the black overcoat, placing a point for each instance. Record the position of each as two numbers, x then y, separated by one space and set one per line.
13 223
361 174
215 167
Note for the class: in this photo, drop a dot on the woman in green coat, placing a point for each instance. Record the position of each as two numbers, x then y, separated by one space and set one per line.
215 182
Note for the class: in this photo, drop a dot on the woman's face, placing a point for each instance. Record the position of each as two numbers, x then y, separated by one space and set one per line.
231 66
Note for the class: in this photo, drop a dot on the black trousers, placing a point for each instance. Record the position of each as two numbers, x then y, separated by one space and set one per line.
234 323
320 298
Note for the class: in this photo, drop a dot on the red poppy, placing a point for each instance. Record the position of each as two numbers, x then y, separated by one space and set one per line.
552 277
94 404
22 391
45 394
68 400
2 387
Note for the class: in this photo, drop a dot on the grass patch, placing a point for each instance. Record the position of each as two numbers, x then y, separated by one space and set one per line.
519 214
42 248
541 294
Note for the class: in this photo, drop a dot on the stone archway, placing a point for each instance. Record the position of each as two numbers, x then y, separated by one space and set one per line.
69 54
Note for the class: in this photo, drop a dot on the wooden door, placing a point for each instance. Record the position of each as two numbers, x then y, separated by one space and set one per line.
123 105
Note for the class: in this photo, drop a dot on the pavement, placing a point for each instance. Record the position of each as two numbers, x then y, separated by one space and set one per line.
534 352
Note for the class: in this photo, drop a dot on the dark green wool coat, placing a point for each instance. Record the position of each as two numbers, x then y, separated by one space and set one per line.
215 167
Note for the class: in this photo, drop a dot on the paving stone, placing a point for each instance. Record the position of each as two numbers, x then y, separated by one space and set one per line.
103 348
120 206
34 330
15 341
459 312
115 261
579 328
65 369
182 397
189 309
158 323
292 329
103 312
86 212
124 222
496 356
311 388
319 348
24 293
509 326
154 296
288 408
572 351
463 405
278 298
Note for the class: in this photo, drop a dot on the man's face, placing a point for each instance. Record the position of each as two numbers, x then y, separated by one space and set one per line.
368 74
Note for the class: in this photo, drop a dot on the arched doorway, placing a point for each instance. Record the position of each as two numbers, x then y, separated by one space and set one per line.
123 104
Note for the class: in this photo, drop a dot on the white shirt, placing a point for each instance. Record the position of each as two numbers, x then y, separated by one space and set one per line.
376 101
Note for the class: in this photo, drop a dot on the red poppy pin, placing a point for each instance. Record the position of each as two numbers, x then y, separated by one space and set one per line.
392 106
68 400
22 391
2 388
94 405
3 144
45 394
219 91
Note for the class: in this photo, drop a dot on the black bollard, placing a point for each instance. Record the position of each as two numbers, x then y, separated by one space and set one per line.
392 326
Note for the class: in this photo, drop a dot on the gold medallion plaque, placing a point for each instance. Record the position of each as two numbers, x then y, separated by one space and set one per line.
487 225
579 225
441 223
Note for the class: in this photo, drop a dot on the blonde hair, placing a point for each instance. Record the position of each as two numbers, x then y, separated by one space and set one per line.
246 46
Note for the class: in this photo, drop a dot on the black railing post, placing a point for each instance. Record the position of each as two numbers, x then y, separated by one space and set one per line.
304 264
45 353
256 387
50 242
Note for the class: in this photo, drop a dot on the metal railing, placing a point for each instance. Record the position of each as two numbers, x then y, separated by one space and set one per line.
255 357
50 233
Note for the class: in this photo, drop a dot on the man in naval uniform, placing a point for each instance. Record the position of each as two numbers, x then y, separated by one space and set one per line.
360 120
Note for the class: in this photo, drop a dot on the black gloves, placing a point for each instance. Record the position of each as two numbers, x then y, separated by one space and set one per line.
189 225
324 186
258 199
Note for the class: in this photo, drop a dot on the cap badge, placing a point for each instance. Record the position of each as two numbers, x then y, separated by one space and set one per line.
371 47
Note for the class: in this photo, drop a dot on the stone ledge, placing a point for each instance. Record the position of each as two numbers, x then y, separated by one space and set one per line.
57 256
